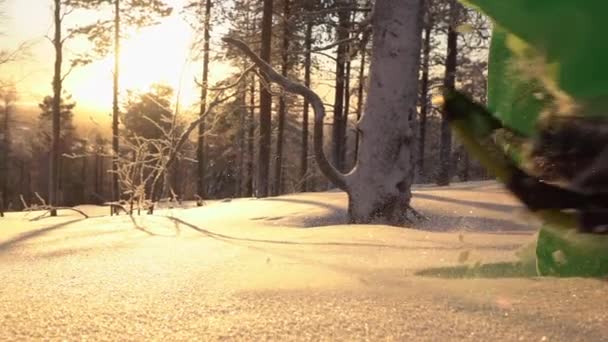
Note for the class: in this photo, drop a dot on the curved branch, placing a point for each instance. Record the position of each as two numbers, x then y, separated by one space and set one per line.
335 176
48 209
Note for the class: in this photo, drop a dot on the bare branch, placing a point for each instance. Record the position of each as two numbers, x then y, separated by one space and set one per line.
338 178
49 208
326 55
334 44
67 73
11 56
235 83
333 10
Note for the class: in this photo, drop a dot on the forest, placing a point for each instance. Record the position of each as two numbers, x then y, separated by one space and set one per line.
244 136
311 170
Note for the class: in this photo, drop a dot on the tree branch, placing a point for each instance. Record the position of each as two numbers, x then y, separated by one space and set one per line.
335 176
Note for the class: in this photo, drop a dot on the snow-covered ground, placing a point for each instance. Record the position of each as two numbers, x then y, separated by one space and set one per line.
288 268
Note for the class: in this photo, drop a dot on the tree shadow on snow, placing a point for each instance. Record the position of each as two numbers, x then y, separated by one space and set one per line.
506 208
225 237
11 243
332 207
446 223
493 270
336 214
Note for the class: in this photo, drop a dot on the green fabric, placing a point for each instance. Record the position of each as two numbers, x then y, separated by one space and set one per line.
545 55
571 254
510 96
569 34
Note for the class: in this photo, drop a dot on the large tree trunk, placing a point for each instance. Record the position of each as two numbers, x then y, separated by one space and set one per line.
379 187
445 149
54 157
265 106
278 171
307 67
200 148
424 94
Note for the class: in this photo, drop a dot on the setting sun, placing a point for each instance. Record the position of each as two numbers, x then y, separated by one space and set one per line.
158 54
154 54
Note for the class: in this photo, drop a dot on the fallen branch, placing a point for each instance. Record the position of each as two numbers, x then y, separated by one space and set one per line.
49 209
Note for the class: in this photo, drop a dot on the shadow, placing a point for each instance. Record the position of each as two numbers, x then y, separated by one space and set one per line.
7 245
445 223
145 230
330 219
470 185
140 227
66 252
507 208
336 215
495 270
83 235
316 203
331 243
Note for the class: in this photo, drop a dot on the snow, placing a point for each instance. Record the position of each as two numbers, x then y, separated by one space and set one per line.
288 268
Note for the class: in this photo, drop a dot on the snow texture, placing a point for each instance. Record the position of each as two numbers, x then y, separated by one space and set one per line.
247 269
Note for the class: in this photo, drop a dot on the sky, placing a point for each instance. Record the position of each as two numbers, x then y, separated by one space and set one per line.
153 54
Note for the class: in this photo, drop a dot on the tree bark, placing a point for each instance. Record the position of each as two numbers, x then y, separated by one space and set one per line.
241 151
250 137
346 111
339 122
96 183
380 186
200 150
278 171
54 157
307 69
115 112
265 106
445 150
424 94
360 99
5 158
467 167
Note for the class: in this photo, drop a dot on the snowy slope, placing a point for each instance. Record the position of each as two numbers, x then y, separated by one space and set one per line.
288 268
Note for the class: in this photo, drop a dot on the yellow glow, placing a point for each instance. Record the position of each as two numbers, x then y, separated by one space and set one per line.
148 56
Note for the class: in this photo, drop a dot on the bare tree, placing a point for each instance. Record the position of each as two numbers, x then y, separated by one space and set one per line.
339 119
58 41
379 186
424 86
305 124
8 96
265 105
106 35
443 178
278 172
201 10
